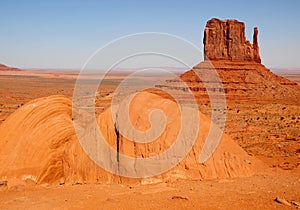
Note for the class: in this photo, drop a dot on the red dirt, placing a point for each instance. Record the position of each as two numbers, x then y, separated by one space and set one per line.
256 192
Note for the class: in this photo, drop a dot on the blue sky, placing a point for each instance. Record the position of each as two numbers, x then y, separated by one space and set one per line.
63 34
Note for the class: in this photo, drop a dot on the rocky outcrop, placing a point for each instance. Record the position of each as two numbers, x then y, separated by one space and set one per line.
39 144
225 40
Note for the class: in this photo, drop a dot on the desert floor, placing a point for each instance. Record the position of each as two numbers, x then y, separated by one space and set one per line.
281 178
256 192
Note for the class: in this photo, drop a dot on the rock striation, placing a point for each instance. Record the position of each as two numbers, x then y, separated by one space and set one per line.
39 145
225 40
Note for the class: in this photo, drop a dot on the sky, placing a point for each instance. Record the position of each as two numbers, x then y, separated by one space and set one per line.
64 34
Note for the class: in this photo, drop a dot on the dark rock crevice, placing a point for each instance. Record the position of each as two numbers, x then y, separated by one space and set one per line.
117 145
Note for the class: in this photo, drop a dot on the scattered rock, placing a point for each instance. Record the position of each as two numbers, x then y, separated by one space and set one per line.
286 202
248 161
282 201
291 139
295 203
182 197
3 183
61 182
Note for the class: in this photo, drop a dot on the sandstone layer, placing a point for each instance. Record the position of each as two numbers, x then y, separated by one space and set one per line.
39 144
225 40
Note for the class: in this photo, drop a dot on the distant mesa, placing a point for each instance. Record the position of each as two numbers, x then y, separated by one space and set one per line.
7 68
225 40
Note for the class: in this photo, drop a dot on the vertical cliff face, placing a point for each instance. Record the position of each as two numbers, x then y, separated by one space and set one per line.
225 40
